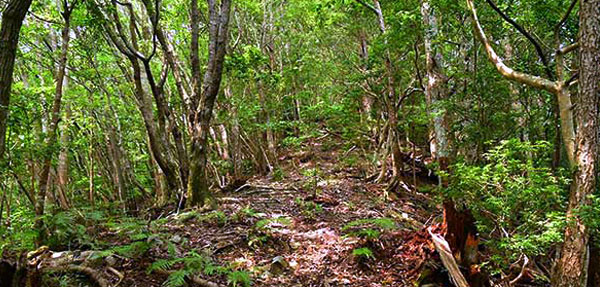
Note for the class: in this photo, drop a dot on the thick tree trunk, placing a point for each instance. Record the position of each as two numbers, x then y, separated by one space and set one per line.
12 20
205 94
572 266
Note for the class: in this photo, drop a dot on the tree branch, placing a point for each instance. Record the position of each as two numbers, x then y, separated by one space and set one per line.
536 44
507 72
368 6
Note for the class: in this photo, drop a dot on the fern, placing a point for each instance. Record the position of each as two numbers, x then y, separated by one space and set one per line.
171 249
211 269
134 249
162 265
363 252
239 279
176 279
193 264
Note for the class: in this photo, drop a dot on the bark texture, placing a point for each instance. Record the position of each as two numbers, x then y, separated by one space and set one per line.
205 94
572 266
436 89
12 20
51 137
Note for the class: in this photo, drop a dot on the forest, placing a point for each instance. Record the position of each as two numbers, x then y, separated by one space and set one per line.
238 143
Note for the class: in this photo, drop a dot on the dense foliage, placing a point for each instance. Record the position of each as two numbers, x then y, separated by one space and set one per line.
114 150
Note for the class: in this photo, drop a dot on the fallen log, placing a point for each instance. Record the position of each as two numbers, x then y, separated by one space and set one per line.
44 261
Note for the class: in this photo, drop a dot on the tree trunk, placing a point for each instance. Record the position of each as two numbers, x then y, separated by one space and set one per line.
594 266
235 148
205 94
63 163
436 89
572 266
12 20
50 139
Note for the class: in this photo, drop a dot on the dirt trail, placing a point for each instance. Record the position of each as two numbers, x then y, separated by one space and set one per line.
290 231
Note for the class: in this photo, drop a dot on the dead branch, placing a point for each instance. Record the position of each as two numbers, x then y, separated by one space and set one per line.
442 247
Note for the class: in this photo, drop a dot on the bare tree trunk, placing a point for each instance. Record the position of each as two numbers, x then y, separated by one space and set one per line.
205 94
12 20
391 99
460 224
235 149
55 117
157 135
363 52
436 89
91 174
572 266
63 163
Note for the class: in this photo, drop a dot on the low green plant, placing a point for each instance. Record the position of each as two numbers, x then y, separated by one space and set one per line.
516 198
194 264
310 209
278 174
369 228
239 278
363 253
267 223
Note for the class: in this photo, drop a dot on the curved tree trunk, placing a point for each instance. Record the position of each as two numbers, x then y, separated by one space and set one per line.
12 20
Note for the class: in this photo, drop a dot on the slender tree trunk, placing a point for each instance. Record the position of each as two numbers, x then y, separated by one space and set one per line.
50 139
63 163
92 174
12 20
572 266
235 149
390 100
436 89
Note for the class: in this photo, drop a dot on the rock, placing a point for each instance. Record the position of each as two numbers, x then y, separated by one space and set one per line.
176 239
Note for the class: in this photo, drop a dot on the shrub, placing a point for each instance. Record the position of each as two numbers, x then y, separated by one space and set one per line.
516 198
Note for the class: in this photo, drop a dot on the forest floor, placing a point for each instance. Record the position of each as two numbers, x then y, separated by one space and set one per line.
300 229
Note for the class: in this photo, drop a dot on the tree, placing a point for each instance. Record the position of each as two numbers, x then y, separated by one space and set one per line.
205 93
12 20
571 268
51 137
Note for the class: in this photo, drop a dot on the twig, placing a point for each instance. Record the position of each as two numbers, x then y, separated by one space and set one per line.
525 263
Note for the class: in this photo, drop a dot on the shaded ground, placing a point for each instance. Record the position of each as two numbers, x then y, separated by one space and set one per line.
296 230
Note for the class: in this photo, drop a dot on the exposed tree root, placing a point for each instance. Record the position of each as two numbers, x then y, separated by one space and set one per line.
44 261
